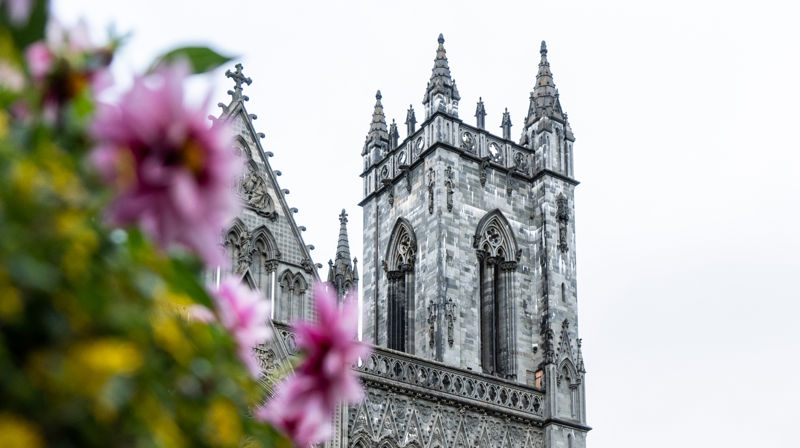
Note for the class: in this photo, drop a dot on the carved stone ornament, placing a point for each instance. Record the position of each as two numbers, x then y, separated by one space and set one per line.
562 208
520 161
242 247
384 173
418 146
550 347
405 252
484 169
390 190
254 191
450 317
431 184
307 265
449 185
495 152
431 322
468 141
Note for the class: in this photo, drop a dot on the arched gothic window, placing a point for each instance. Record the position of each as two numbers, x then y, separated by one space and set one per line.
560 150
399 267
291 296
264 257
237 246
567 384
497 260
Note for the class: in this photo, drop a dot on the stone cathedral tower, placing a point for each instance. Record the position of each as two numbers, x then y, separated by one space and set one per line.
468 275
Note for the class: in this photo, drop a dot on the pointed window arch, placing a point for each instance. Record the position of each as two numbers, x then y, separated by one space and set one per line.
237 246
498 254
567 385
291 296
399 267
264 256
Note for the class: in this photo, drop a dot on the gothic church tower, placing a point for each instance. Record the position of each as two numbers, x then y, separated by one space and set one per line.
469 290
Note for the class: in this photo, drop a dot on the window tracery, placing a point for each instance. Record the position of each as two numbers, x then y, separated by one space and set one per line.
399 267
497 259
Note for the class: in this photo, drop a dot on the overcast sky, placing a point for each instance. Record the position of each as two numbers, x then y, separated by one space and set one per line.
687 214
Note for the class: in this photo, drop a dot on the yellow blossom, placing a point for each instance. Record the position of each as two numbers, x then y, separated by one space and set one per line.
3 124
94 362
16 432
222 425
161 424
10 301
170 336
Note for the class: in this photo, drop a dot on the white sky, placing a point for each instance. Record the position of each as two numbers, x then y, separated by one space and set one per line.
685 115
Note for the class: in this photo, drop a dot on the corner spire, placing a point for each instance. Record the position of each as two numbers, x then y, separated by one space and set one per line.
378 135
238 79
441 95
342 273
544 98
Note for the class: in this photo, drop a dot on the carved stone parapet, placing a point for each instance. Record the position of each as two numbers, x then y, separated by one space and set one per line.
401 371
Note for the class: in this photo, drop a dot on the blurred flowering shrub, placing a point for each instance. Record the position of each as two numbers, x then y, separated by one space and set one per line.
107 335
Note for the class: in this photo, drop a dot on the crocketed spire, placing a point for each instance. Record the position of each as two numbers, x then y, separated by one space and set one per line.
378 136
441 93
342 272
544 99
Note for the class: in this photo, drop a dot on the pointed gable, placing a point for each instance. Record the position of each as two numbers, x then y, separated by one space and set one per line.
266 213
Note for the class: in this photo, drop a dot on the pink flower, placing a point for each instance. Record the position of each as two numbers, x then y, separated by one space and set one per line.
39 59
19 11
304 404
173 173
66 63
245 314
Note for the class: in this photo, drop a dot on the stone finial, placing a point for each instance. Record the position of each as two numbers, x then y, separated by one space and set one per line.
506 125
480 114
393 135
238 79
411 121
543 49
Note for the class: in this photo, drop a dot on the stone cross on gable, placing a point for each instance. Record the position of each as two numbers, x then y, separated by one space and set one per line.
238 78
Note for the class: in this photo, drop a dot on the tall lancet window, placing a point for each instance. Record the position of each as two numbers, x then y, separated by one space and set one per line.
263 260
497 260
399 266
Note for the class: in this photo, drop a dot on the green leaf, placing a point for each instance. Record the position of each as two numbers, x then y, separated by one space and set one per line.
31 31
202 59
187 280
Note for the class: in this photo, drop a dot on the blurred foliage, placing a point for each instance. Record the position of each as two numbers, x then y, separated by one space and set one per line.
95 345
